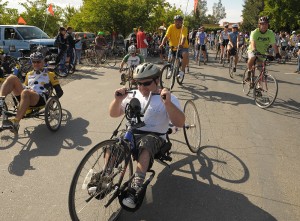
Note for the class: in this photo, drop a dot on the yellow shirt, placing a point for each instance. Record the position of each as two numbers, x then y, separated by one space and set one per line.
174 37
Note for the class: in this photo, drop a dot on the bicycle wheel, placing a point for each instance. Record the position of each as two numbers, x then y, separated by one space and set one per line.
231 67
167 78
61 72
246 84
111 59
192 127
6 136
94 181
265 91
53 114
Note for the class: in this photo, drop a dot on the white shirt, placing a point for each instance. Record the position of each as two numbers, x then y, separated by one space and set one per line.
156 117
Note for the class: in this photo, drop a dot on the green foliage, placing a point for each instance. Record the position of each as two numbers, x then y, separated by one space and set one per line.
218 12
252 10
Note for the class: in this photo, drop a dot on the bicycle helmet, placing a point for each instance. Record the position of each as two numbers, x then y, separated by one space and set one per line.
263 19
178 17
235 26
37 56
146 71
100 33
132 49
226 25
293 32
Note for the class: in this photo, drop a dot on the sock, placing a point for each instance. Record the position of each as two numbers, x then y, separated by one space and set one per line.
138 180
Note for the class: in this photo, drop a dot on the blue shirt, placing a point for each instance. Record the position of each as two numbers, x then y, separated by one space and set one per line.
233 37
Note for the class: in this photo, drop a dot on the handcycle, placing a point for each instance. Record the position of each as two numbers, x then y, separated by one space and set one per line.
101 180
51 112
171 70
265 87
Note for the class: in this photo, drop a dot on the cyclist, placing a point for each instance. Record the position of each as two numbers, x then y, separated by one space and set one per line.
260 39
157 117
100 44
201 39
177 36
233 45
132 59
34 91
225 40
61 42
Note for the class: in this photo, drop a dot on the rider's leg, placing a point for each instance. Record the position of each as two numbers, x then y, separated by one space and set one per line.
11 84
250 63
185 59
28 98
222 52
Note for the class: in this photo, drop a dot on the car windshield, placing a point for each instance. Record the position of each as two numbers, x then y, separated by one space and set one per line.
29 33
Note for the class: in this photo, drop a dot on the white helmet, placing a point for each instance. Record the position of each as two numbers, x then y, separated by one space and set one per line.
132 49
293 32
146 71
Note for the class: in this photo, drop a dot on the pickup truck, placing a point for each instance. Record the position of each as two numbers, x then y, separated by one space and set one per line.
15 37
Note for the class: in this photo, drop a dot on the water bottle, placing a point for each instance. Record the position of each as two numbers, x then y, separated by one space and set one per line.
129 137
87 179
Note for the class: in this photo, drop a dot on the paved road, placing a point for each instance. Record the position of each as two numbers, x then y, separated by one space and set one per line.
247 169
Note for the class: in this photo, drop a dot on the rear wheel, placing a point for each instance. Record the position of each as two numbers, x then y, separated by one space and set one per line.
167 78
192 127
111 59
94 181
265 91
53 114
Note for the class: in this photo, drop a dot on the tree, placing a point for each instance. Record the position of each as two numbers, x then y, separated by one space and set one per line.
218 12
8 15
251 13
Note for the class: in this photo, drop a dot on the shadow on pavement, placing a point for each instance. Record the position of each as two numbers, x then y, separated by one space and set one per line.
180 198
289 108
42 142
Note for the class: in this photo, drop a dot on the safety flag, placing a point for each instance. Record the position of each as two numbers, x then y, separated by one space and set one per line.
50 10
195 5
21 21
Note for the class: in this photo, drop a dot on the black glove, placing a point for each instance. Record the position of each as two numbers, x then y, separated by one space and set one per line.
278 56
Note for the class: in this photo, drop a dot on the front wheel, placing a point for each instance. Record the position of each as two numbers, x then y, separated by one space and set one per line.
111 59
167 78
231 66
192 127
94 180
246 83
265 91
53 114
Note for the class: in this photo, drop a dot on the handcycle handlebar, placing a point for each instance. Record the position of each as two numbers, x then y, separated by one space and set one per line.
132 92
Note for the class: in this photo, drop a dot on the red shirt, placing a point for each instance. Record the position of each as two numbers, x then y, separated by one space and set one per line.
140 40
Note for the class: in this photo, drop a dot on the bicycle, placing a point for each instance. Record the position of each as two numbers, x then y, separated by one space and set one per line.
231 65
265 86
104 174
170 71
127 76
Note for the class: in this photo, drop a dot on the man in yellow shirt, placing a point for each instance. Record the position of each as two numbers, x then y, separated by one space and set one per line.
177 36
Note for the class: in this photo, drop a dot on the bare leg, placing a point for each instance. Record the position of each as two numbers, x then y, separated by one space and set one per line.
11 84
28 98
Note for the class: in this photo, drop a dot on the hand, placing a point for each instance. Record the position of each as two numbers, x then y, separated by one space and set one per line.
120 94
165 95
161 46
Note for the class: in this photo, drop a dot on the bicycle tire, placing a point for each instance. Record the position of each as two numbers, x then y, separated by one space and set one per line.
7 138
246 85
180 79
231 67
265 91
192 127
53 114
111 59
60 73
167 78
94 162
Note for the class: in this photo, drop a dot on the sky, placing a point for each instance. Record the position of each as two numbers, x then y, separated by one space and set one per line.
233 8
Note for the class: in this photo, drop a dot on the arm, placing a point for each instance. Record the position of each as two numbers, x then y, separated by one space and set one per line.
176 116
58 90
115 108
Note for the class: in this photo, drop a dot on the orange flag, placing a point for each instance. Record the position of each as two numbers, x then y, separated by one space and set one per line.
21 21
50 10
195 5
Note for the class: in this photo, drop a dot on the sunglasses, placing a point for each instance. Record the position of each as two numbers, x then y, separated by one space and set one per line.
145 84
36 62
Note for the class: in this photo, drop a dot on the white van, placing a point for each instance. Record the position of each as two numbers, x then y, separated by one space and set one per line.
15 37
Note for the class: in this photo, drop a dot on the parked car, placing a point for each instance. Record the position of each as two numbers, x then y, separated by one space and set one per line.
87 38
16 37
131 39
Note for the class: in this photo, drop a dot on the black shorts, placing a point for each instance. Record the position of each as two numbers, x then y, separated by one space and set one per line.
225 42
203 47
232 52
41 101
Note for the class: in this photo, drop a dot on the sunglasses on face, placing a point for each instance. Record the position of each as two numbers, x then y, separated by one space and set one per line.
145 84
36 62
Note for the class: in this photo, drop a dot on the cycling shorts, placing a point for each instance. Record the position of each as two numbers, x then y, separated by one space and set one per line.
225 42
203 47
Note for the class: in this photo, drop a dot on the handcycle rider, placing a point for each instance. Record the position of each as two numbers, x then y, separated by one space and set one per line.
160 112
132 59
260 39
33 93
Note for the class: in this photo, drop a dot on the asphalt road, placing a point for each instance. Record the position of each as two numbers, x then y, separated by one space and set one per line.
247 169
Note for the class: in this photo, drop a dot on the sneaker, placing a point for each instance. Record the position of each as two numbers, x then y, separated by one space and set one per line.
187 69
180 75
234 69
131 199
13 125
